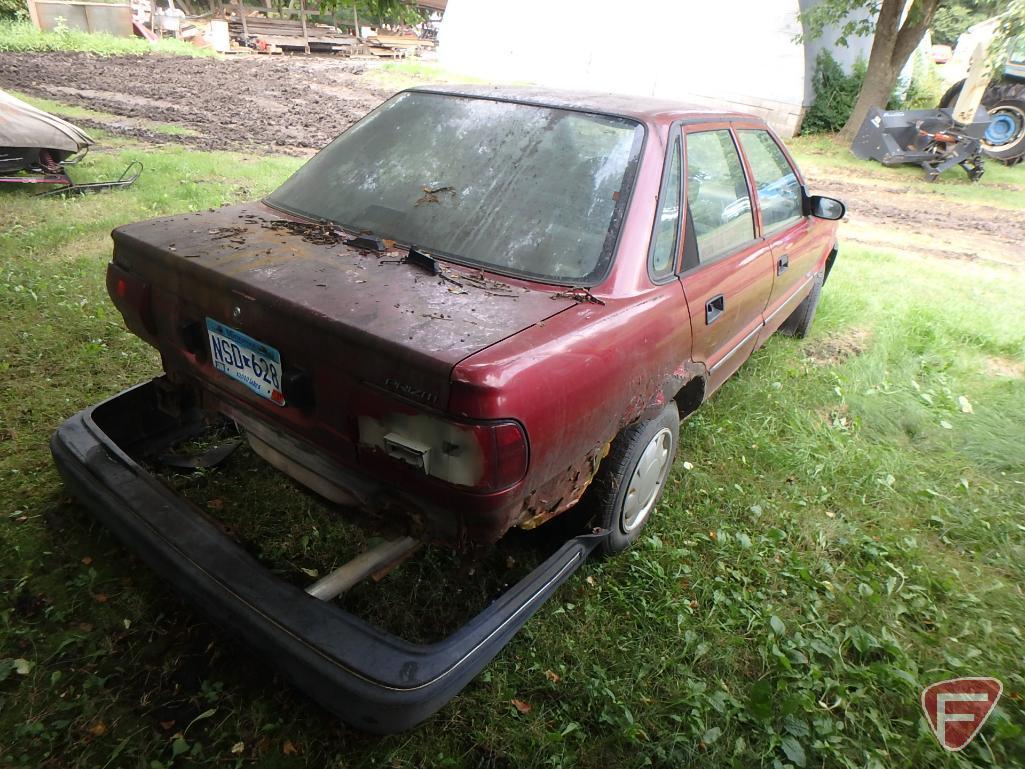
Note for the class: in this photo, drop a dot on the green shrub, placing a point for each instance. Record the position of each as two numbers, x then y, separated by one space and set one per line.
22 36
835 94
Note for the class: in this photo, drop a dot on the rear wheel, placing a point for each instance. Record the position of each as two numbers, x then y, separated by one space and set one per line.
1005 136
632 478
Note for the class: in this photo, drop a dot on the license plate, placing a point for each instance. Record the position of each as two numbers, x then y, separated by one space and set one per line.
244 359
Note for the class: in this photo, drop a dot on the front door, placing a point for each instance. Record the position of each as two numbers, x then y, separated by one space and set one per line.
728 269
784 225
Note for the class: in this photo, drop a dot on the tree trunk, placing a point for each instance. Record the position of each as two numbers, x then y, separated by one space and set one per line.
891 48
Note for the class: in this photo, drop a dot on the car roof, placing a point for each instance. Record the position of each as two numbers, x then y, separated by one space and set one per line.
642 108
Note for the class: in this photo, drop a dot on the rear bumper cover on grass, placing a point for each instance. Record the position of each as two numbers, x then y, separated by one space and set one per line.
373 680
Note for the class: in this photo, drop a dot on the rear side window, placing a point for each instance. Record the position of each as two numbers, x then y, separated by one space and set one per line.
667 223
717 194
779 191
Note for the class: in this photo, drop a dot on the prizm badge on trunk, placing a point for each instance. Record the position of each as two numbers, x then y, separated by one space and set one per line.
408 390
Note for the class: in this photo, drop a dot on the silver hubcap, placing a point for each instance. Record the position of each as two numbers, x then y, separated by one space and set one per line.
647 480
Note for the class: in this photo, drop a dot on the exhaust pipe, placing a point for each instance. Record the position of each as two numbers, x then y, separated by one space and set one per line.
362 566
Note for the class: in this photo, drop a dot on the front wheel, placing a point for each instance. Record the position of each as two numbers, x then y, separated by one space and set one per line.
800 319
632 478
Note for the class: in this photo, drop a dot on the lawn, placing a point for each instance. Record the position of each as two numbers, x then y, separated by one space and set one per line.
845 524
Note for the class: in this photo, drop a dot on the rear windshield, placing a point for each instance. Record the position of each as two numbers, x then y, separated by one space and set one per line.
520 189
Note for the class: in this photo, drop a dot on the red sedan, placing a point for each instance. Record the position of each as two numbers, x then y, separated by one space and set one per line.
475 309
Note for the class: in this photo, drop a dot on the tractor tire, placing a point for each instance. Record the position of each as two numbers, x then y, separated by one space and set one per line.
1005 102
1005 137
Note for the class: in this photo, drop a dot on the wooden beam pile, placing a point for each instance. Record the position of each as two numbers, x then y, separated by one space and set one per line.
397 46
291 34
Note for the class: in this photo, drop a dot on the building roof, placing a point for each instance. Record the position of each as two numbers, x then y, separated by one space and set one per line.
642 108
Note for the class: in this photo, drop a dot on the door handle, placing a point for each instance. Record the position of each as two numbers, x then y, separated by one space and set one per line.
714 307
782 264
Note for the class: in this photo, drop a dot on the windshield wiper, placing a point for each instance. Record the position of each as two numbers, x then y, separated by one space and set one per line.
367 242
422 260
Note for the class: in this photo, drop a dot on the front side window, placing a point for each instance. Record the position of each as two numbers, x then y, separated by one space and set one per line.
779 192
667 223
717 195
522 189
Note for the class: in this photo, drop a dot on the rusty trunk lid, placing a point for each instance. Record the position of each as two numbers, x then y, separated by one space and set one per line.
301 289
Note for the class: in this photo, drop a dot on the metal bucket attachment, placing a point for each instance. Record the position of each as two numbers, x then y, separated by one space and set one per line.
928 137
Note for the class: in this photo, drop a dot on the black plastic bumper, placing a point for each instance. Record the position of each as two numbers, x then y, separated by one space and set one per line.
371 679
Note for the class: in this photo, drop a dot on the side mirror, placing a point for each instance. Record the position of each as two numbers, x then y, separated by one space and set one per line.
827 208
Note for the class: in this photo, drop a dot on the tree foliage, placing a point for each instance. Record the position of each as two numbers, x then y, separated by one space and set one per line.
954 17
374 12
1011 30
12 9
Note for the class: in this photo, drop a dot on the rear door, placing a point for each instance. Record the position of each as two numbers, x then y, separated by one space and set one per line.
728 270
786 229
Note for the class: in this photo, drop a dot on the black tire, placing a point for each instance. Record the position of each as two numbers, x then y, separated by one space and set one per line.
1006 102
607 497
801 318
951 95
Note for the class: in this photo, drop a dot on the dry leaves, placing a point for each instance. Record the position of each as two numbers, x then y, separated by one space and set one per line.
552 676
523 707
98 729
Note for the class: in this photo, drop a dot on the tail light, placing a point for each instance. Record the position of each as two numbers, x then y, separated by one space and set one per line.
132 297
482 456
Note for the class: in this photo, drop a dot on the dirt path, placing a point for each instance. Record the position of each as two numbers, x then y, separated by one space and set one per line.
884 214
298 104
270 104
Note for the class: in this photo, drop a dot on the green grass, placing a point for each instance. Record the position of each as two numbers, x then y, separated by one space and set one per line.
1000 186
23 37
837 532
396 75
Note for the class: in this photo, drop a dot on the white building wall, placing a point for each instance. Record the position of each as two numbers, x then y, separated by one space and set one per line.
737 54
